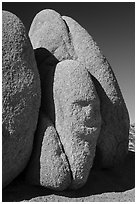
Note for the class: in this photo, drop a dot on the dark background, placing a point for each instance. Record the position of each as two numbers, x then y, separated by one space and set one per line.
111 24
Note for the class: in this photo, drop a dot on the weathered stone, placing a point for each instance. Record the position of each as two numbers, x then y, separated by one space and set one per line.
113 140
66 39
48 30
78 120
21 97
48 165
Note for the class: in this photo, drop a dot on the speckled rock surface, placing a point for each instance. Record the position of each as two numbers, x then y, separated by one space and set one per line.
69 40
20 97
113 139
78 120
48 30
67 89
48 166
128 196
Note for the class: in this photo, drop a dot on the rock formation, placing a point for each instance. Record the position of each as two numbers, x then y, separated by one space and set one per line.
83 118
68 40
21 97
113 139
48 165
78 119
48 30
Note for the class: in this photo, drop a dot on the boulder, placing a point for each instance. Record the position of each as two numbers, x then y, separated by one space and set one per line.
48 30
78 119
113 140
20 97
48 165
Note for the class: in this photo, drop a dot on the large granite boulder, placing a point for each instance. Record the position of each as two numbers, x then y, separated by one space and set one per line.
78 119
66 39
21 97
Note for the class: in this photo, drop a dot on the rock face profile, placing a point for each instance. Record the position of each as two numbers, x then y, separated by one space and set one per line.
78 119
21 97
66 39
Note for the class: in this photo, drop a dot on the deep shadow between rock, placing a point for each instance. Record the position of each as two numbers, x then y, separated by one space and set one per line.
46 63
119 179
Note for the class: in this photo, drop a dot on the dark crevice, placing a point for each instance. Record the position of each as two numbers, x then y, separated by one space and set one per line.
73 52
62 147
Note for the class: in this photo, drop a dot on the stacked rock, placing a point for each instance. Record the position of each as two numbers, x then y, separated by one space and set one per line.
82 112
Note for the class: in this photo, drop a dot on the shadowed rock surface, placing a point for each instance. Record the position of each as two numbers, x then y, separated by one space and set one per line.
78 119
20 97
46 63
48 165
108 185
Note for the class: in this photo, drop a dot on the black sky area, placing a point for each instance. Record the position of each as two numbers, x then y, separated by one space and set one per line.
112 26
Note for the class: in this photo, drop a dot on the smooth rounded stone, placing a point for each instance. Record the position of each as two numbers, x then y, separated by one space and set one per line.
112 144
48 30
48 165
78 119
20 97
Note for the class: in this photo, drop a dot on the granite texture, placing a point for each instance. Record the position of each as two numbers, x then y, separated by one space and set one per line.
20 97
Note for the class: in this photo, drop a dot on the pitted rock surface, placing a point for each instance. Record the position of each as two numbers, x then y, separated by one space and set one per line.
54 129
78 120
48 30
113 139
21 97
70 41
48 166
83 118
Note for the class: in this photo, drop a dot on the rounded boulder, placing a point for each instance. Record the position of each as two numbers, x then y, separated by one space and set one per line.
21 97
